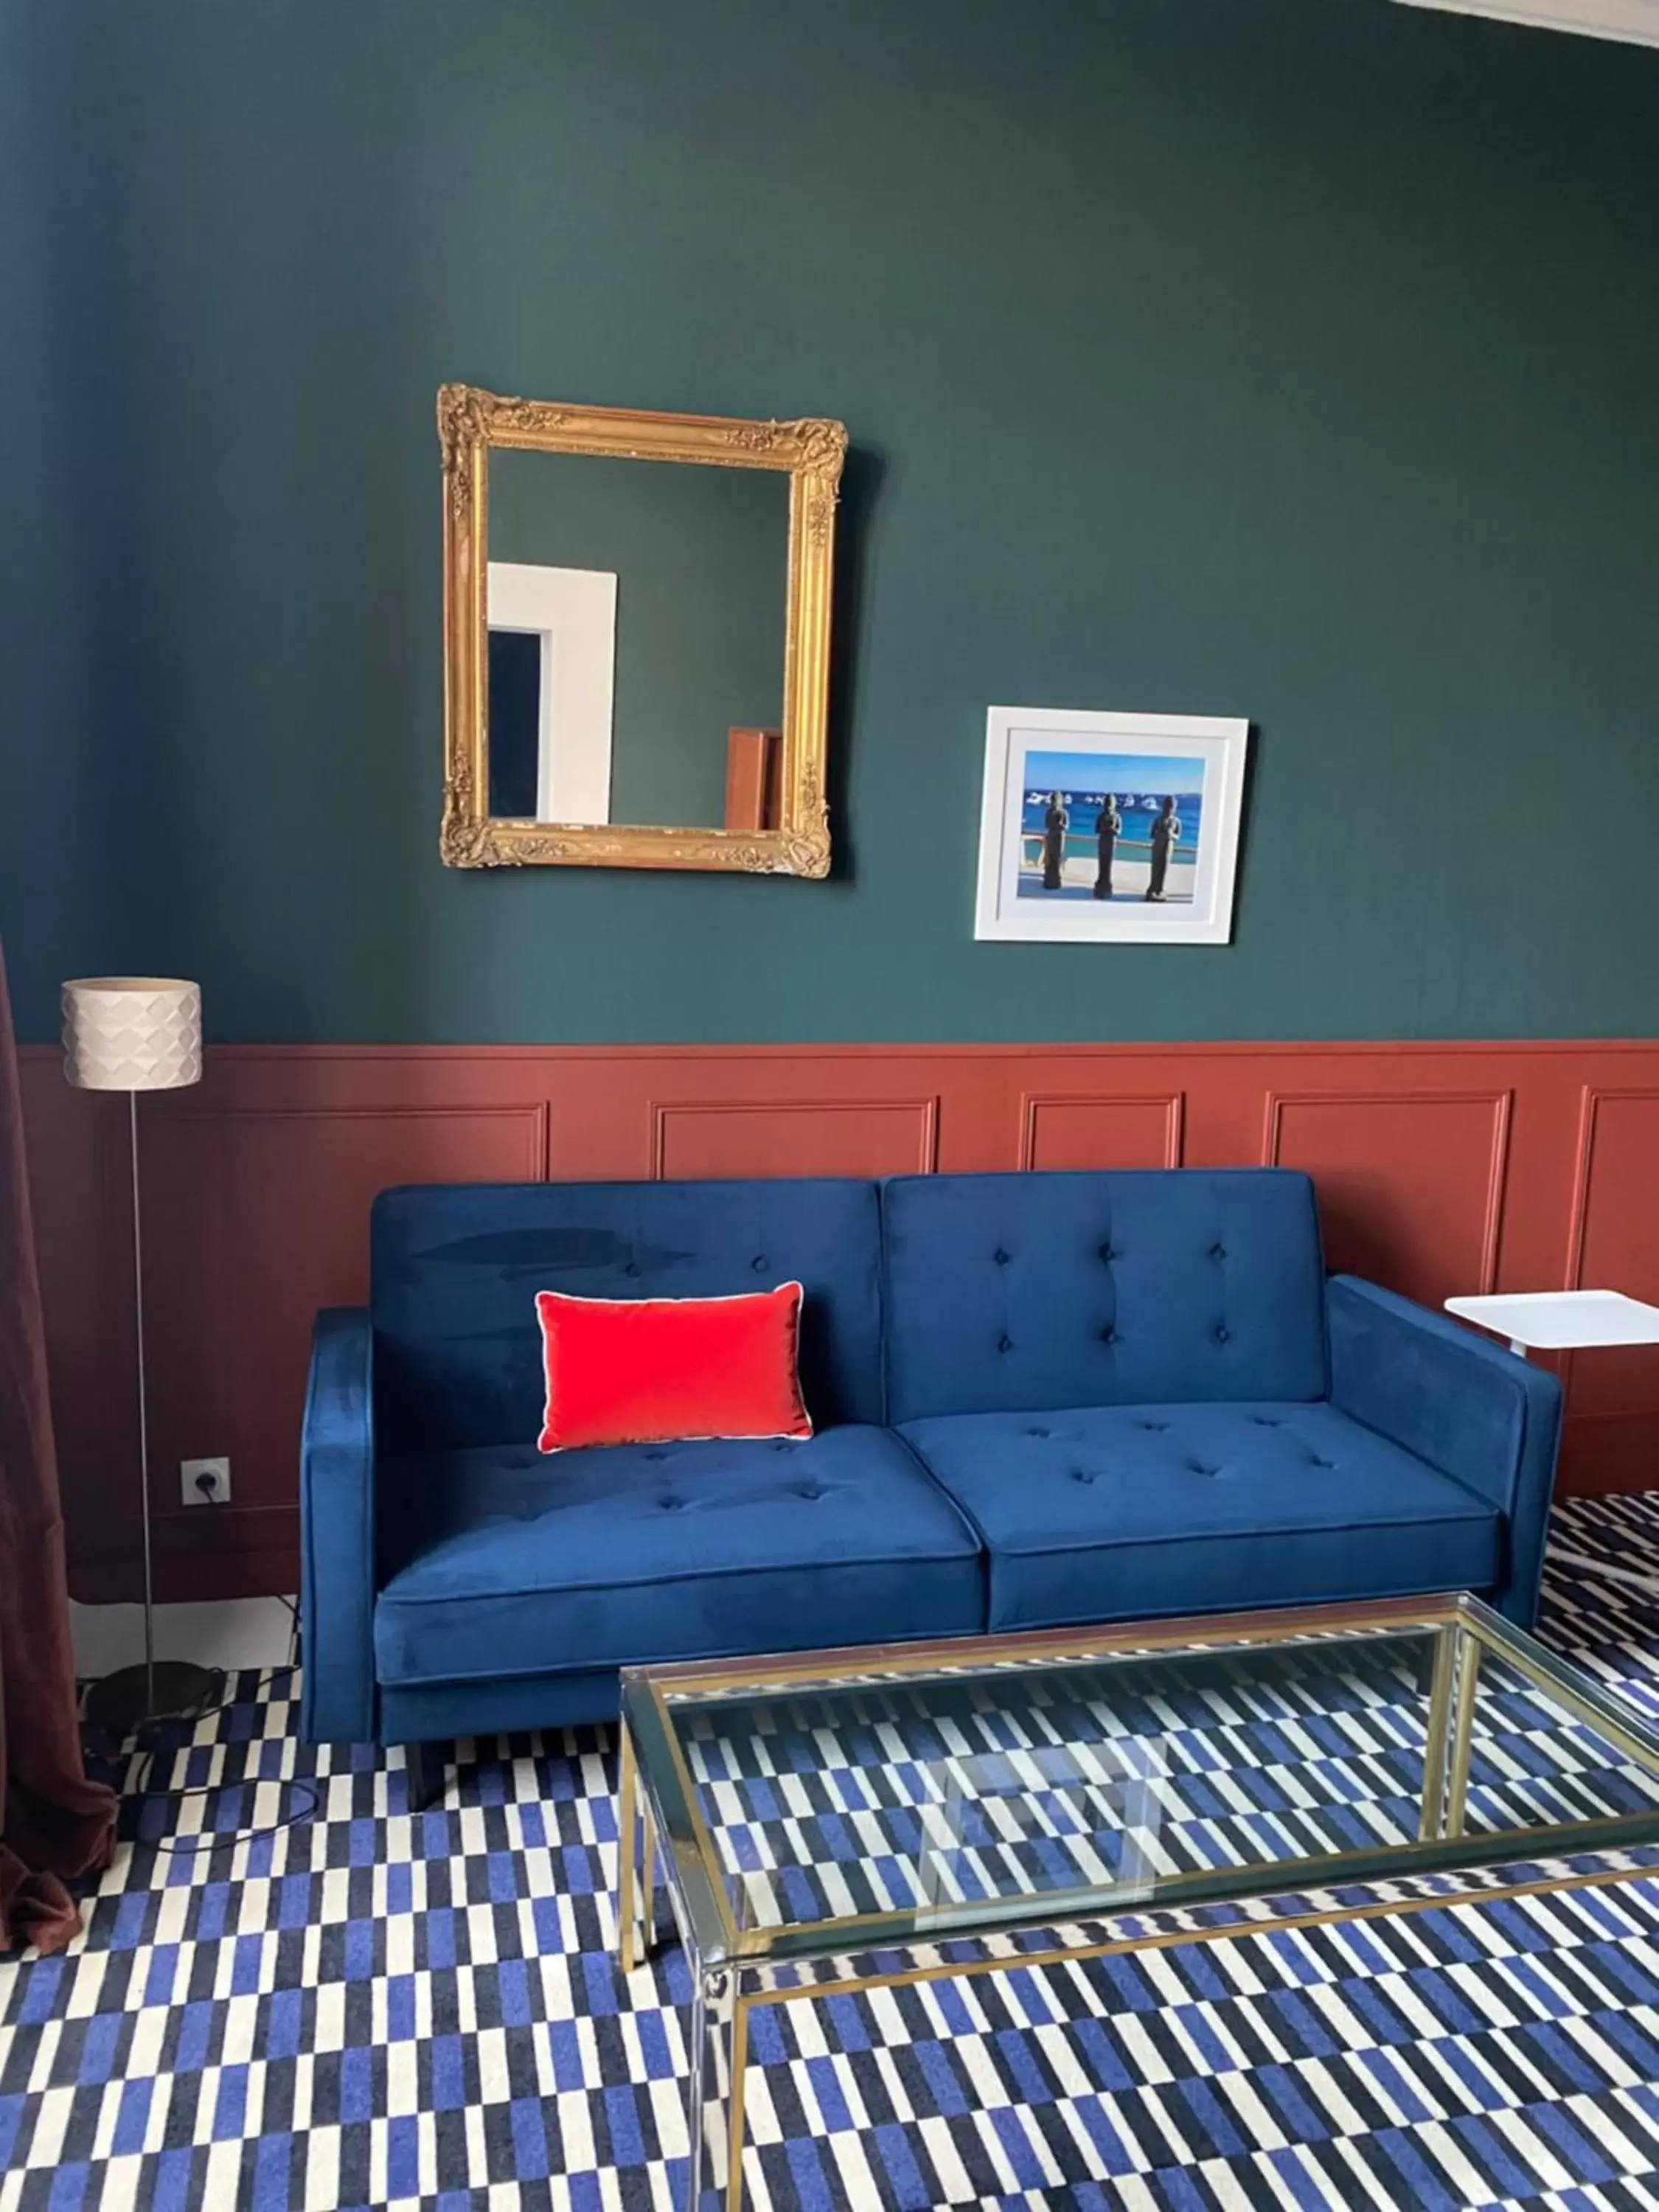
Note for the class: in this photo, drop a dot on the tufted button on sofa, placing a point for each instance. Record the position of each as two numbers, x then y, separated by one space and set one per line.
989 1452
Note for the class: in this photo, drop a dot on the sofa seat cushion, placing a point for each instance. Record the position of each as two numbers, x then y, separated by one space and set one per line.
1120 1513
505 1562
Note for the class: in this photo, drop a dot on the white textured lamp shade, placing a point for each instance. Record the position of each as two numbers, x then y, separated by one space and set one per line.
132 1033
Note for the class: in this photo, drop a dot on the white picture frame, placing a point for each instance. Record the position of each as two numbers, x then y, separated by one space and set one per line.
1165 876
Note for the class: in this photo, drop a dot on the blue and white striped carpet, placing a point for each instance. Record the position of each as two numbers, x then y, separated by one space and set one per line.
364 2008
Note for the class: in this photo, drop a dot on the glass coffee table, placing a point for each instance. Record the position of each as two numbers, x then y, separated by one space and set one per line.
832 1822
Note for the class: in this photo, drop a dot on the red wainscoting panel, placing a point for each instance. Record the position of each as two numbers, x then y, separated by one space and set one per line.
1615 1393
1411 1187
1121 1131
737 1137
222 1191
1440 1167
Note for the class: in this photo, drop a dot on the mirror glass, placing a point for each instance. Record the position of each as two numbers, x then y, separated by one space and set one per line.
636 614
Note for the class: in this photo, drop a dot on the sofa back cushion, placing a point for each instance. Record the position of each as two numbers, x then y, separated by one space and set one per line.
1020 1292
455 1267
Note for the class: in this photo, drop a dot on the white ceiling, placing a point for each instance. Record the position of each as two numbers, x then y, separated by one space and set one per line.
1636 21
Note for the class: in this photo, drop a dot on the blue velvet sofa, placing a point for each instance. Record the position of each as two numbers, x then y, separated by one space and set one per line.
1039 1398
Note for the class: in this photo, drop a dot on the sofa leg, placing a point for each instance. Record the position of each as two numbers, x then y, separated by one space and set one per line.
427 1770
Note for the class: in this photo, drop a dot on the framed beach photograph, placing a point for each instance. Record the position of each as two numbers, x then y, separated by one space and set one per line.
1110 828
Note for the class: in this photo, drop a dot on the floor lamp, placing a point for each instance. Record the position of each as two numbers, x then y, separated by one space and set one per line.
135 1033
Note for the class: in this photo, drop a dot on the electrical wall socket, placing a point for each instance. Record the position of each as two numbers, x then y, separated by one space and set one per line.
217 1491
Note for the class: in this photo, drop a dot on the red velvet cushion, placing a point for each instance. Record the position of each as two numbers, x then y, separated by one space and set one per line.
654 1371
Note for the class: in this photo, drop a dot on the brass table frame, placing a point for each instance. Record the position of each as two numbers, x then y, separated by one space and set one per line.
734 1969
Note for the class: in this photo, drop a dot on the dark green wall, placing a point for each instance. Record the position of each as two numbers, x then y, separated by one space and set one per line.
701 556
1294 359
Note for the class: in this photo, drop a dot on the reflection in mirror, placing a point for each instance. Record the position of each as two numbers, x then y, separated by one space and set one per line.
636 617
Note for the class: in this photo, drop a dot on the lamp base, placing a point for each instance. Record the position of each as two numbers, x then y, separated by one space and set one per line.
121 1702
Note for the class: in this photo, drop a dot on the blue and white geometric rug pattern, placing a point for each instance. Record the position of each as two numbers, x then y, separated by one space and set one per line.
364 2009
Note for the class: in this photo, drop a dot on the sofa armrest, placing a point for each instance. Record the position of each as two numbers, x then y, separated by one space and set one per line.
337 1532
1479 1413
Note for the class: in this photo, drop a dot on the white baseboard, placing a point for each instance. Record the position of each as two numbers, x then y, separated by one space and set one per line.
237 1631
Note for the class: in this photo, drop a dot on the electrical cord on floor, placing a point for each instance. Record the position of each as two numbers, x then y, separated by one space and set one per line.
210 1839
213 1840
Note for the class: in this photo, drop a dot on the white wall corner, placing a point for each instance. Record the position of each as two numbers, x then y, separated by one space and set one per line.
228 1633
1633 22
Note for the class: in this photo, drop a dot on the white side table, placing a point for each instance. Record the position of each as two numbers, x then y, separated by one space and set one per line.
1568 1321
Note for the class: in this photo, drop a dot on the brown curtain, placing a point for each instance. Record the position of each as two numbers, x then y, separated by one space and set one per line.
56 1824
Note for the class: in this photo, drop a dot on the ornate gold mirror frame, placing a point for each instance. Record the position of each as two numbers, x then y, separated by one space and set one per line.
470 422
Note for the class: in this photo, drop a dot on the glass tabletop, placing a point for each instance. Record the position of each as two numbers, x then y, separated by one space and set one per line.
815 1803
